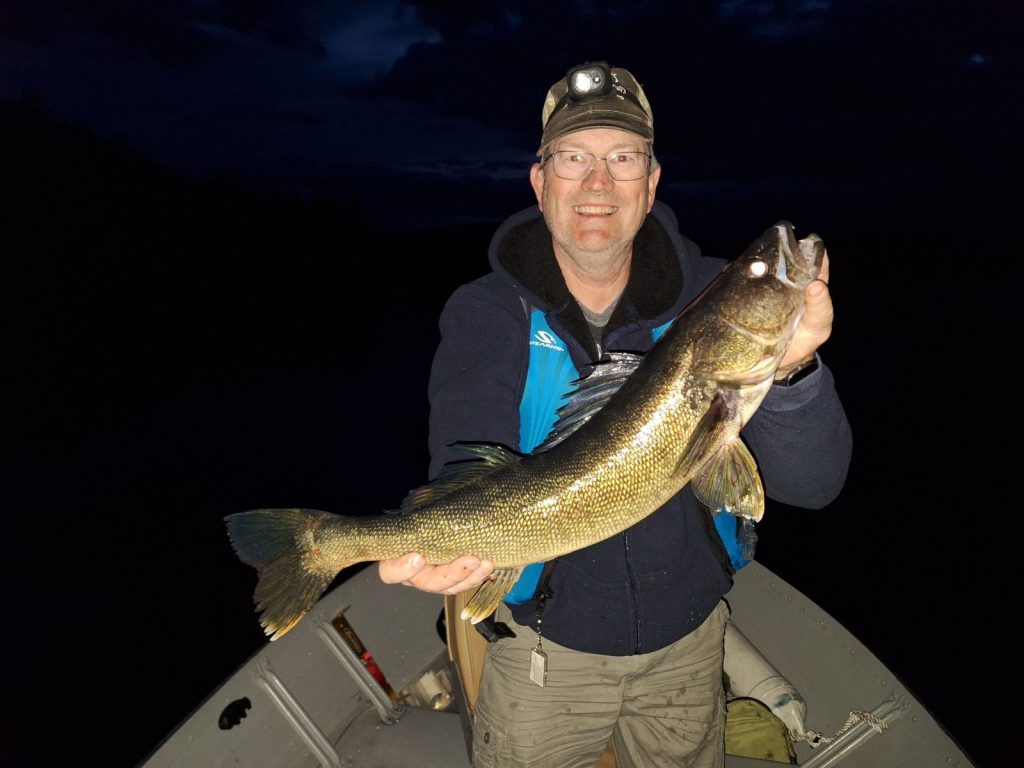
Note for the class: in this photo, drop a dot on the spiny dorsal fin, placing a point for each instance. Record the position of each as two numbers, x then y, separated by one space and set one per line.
730 479
591 395
473 461
490 593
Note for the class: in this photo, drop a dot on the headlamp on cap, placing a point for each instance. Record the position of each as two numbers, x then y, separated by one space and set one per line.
589 80
594 95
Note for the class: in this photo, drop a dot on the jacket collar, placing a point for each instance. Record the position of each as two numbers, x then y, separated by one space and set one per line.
521 252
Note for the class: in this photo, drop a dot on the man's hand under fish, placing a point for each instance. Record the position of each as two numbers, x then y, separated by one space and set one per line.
466 572
469 572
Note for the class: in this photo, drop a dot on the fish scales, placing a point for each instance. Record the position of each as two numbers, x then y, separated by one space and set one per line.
674 420
611 489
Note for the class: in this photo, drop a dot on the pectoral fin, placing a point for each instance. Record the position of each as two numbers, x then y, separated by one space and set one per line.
490 593
730 479
709 431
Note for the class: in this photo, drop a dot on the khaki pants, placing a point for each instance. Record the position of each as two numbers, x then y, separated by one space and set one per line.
665 708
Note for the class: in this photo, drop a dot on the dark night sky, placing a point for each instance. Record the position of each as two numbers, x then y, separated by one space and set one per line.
188 190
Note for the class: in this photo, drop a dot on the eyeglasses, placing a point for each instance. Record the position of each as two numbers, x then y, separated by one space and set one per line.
576 166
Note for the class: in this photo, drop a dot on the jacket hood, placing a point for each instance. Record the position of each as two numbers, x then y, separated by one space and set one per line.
661 280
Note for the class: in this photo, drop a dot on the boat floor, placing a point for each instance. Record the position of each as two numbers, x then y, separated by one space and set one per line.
305 708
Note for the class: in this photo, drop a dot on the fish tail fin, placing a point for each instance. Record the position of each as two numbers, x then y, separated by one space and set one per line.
280 544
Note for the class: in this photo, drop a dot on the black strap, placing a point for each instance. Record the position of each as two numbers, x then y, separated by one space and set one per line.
492 630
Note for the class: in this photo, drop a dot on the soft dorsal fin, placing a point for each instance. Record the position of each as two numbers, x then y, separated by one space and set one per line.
591 395
474 460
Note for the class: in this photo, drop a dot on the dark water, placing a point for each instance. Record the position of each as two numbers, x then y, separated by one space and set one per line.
177 353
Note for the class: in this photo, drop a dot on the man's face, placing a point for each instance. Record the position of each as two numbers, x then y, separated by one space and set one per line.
594 220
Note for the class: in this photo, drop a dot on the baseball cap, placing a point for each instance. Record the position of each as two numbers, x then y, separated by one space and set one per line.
594 95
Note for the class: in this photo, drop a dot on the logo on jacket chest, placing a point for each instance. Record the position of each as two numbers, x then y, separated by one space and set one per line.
546 340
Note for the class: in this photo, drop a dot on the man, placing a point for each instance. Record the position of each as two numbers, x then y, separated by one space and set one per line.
633 628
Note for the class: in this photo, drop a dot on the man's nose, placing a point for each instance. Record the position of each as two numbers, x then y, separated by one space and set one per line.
598 177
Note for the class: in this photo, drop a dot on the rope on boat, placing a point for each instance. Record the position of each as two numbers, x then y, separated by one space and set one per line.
816 739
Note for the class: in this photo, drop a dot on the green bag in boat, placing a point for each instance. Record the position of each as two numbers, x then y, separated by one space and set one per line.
752 730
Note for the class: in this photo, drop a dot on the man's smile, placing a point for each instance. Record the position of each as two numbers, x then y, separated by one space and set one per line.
595 210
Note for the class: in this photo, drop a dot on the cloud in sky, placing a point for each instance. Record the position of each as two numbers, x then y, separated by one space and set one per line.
780 20
314 92
369 41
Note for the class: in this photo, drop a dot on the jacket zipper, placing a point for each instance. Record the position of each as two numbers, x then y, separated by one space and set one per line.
632 594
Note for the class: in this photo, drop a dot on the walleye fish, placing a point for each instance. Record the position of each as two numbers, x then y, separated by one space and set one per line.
633 434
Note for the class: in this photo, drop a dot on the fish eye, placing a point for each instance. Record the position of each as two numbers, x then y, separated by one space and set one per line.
758 268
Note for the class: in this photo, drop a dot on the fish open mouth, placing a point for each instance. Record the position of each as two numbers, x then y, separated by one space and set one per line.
595 210
799 260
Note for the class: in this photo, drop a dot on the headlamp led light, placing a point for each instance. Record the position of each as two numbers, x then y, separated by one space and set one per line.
594 95
589 80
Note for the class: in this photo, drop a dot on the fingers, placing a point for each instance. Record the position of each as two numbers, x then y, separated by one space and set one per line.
816 294
818 311
400 568
815 325
466 572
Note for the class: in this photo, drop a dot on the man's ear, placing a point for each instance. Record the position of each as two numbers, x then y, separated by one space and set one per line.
652 185
537 182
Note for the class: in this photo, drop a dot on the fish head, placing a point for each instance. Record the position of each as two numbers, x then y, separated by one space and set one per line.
757 303
774 266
